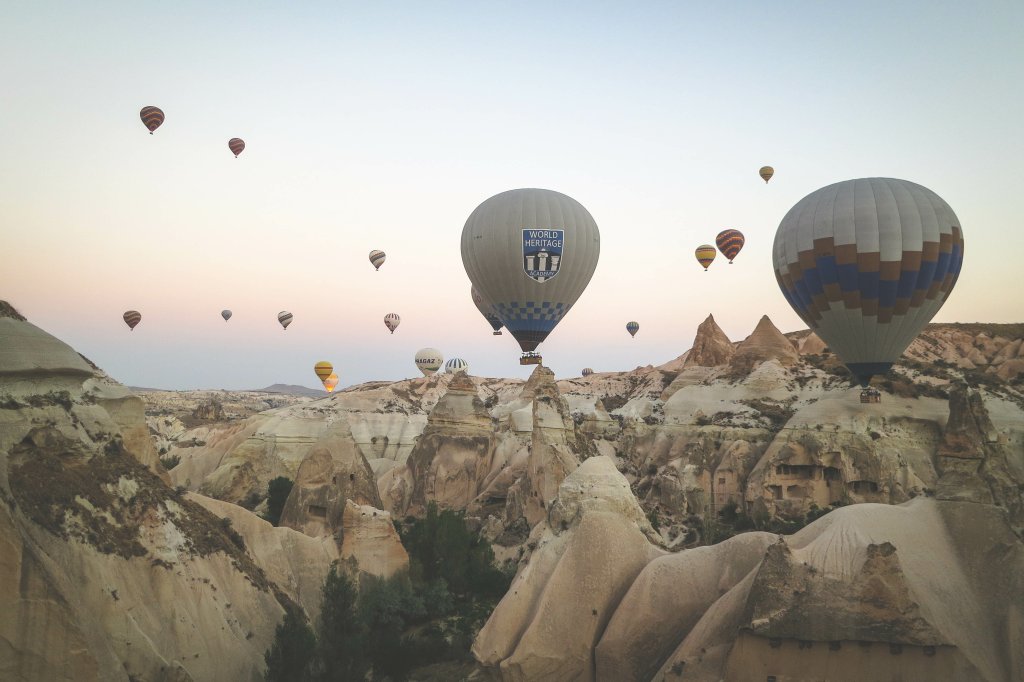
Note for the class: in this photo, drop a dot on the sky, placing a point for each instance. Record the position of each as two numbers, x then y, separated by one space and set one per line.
383 125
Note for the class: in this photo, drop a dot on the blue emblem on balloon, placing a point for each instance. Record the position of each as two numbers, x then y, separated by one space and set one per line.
542 253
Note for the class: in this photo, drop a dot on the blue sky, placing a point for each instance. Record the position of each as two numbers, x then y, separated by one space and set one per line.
373 125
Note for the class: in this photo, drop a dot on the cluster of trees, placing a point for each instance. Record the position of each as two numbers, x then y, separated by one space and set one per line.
385 627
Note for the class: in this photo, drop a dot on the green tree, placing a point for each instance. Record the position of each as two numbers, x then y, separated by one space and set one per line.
340 646
277 494
387 606
290 657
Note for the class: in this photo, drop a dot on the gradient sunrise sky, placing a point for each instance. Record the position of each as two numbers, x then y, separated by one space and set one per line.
383 125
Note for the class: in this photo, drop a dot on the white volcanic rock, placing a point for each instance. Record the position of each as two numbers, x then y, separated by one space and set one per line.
334 472
811 344
369 537
106 573
590 549
453 455
711 347
293 561
553 451
765 343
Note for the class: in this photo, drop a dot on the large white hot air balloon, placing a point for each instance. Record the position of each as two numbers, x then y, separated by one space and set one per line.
866 264
429 360
487 310
530 253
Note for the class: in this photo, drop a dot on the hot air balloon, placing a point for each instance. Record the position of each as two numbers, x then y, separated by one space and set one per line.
151 117
226 314
766 173
429 360
391 321
323 370
729 243
530 253
587 371
632 328
866 264
330 383
487 310
132 318
705 255
285 318
456 365
236 145
377 259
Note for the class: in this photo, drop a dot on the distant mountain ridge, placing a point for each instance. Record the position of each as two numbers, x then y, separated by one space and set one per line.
291 389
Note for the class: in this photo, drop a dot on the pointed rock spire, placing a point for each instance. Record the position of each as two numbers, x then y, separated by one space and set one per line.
711 347
765 343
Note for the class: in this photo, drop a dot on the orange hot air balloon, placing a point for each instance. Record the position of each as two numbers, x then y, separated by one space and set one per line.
236 145
151 117
766 173
132 318
729 243
705 255
323 370
331 382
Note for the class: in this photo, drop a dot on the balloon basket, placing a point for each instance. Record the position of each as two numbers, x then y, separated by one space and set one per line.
870 395
496 333
530 359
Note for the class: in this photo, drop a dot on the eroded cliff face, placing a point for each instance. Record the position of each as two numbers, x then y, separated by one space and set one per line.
877 590
106 572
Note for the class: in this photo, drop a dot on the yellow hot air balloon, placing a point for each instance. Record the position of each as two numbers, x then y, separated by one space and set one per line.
766 173
705 255
323 370
330 382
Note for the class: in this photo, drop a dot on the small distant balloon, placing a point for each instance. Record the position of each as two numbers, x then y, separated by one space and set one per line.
705 255
331 382
429 360
456 365
132 318
766 173
729 243
152 118
377 258
236 145
391 321
323 370
285 318
587 371
632 328
226 314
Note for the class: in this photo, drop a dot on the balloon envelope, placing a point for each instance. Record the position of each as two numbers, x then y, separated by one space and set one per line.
587 371
632 328
766 173
866 264
236 145
331 382
152 118
487 310
226 314
730 242
705 255
429 360
132 318
391 321
323 370
377 259
530 253
285 318
456 365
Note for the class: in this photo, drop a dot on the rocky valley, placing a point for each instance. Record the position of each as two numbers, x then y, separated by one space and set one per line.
734 513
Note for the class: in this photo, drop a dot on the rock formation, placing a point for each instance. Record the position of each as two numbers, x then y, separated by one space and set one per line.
765 343
107 573
334 471
711 347
369 537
